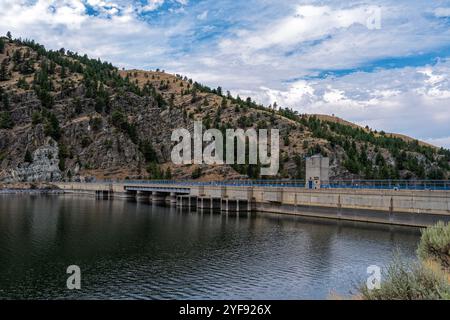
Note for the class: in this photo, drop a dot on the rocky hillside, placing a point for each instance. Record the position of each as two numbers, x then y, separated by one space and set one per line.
65 116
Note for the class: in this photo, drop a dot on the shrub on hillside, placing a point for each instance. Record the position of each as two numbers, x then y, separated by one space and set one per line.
435 245
404 281
427 279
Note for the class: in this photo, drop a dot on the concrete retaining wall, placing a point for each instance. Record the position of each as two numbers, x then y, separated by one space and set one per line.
376 216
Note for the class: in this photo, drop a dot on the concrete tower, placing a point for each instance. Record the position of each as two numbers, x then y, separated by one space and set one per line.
317 171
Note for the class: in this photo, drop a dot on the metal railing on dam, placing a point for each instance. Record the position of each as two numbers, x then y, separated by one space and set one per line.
158 188
425 185
390 184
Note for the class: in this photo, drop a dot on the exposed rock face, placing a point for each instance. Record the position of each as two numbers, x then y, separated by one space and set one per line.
45 165
118 127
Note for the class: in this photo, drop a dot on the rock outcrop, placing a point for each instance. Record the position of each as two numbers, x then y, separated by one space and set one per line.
44 166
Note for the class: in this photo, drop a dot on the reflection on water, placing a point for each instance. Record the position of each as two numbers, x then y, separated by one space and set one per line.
134 250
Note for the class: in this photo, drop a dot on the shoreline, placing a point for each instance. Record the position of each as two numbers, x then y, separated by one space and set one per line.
31 191
29 188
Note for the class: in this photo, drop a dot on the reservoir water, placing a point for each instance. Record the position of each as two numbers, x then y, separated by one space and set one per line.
136 250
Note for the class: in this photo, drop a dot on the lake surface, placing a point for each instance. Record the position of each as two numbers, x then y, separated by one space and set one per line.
133 250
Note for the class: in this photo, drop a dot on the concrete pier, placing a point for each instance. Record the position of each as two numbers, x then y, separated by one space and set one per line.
171 198
157 197
186 202
143 196
208 203
103 194
130 195
204 203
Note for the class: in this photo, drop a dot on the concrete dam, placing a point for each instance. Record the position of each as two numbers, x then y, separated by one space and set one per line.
391 206
405 203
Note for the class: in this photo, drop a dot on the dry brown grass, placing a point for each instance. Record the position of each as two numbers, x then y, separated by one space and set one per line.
436 268
339 297
332 118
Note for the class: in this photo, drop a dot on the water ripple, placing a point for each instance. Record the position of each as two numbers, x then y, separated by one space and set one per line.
129 250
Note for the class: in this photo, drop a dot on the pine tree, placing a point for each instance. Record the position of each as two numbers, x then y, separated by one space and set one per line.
379 160
194 95
26 67
4 73
224 103
5 120
168 174
23 84
4 100
63 72
51 127
197 173
17 57
36 118
172 101
148 151
154 171
77 106
2 46
28 157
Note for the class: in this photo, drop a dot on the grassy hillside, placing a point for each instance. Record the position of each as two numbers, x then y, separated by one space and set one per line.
116 124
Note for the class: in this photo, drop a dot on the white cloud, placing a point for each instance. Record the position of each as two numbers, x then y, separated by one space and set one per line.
16 15
442 12
120 37
152 5
432 78
203 15
262 48
444 142
328 38
412 101
306 24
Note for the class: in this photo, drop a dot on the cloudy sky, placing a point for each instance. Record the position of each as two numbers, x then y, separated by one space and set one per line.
385 64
